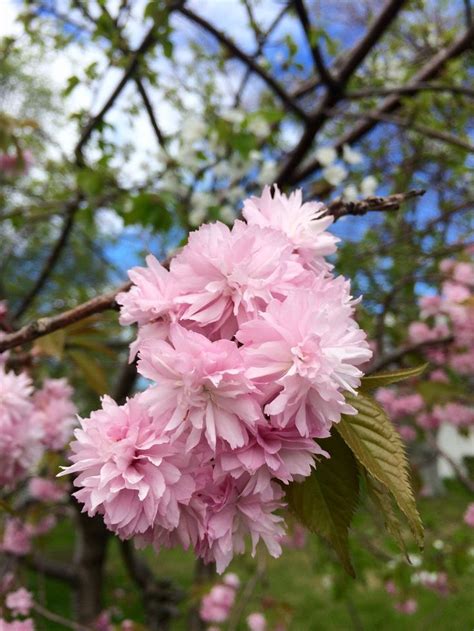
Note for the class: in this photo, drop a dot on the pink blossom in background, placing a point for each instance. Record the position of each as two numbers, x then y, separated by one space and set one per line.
408 607
16 537
231 579
6 582
42 526
407 432
46 490
464 273
17 625
15 164
391 588
256 622
296 539
420 332
469 515
129 471
20 437
55 413
455 413
20 602
217 604
439 375
303 223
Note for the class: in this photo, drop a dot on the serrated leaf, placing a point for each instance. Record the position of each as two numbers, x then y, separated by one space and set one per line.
378 447
386 378
52 344
91 370
325 501
383 501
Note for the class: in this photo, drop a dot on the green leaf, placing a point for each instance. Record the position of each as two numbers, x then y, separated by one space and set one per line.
383 501
148 209
91 370
52 344
378 447
325 501
91 182
386 378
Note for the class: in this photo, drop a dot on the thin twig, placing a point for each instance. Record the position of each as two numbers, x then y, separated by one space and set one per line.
246 59
400 353
340 208
54 617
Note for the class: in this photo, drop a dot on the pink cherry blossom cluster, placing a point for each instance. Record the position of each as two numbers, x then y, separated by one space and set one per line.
249 342
30 422
469 515
17 604
217 604
450 313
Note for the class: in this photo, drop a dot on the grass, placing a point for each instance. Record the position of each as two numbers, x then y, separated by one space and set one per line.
304 587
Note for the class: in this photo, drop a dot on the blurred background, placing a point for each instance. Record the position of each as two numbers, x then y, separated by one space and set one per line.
124 124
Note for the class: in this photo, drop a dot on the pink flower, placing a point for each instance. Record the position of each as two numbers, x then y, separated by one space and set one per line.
231 579
228 276
464 273
420 332
151 296
17 625
128 469
16 538
390 588
439 375
20 602
296 540
408 607
304 224
305 352
455 413
236 508
217 604
55 413
469 515
407 433
430 305
281 453
256 622
202 386
46 490
15 164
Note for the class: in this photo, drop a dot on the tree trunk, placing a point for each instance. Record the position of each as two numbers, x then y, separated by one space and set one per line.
89 558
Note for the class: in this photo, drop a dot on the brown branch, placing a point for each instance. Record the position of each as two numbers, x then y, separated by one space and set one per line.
365 93
398 354
246 59
357 55
324 74
151 115
51 568
160 597
429 71
53 258
57 619
43 326
340 208
148 41
436 134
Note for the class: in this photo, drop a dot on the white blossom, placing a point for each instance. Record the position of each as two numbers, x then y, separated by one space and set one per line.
351 156
368 185
350 193
335 174
259 127
108 222
326 155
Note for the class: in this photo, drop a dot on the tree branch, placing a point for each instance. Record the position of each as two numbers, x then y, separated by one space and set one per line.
246 59
53 258
331 98
365 93
400 353
429 71
340 208
324 74
43 326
